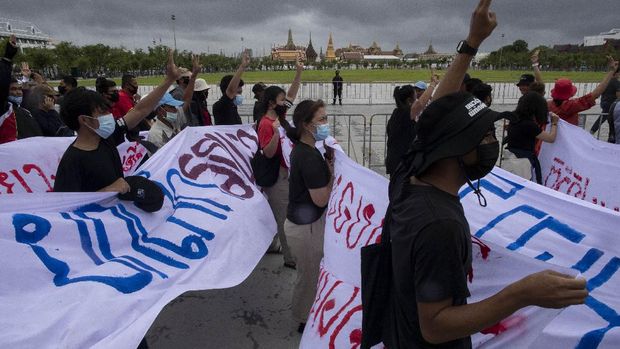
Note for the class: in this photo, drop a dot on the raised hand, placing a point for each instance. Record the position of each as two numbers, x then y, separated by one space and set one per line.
482 24
172 71
11 48
196 66
612 63
245 59
299 63
534 57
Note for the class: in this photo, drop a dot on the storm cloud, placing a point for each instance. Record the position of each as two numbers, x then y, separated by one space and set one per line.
211 26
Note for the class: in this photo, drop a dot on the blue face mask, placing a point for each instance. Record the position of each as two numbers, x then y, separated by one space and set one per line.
322 132
238 100
107 125
15 99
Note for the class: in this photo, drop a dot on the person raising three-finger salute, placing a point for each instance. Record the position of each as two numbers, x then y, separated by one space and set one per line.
431 247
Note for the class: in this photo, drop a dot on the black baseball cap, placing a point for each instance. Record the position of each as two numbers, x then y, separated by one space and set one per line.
452 126
526 79
144 193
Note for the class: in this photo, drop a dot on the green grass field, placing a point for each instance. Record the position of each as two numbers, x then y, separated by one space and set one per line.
376 75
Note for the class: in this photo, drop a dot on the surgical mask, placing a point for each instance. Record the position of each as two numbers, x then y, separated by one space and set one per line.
172 117
107 125
322 132
238 100
114 97
487 157
16 99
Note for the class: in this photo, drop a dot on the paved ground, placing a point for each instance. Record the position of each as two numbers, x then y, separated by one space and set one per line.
256 314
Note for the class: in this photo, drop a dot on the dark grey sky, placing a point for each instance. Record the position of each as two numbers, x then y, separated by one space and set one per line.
208 25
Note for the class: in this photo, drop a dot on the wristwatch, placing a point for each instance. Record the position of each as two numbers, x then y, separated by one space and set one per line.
464 48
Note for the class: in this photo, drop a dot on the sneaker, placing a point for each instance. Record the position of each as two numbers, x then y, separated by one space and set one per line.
302 327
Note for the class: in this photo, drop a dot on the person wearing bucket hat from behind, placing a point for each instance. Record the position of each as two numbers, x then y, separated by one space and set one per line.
431 248
568 109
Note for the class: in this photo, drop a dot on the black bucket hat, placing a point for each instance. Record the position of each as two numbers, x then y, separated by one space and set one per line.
452 126
144 193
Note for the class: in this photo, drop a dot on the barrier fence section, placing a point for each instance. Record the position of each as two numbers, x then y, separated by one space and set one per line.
376 93
365 139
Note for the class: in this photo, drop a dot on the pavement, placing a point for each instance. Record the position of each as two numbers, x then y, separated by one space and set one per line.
257 313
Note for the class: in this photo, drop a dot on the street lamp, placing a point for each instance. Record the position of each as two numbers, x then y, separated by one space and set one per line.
501 50
174 32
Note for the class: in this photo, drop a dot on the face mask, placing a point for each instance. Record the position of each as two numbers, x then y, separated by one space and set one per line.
172 117
106 126
114 97
238 100
487 157
322 132
280 110
62 90
16 99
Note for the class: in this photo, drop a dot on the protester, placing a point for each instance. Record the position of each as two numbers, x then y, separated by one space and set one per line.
8 124
337 83
259 91
400 128
274 106
182 84
200 115
523 133
126 96
27 126
483 92
92 162
525 82
419 88
430 238
45 113
310 186
109 91
225 110
169 110
609 96
568 109
67 84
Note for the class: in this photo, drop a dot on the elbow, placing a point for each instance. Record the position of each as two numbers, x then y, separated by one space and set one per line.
432 336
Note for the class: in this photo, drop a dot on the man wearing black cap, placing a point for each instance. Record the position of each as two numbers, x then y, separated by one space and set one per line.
524 83
259 91
430 237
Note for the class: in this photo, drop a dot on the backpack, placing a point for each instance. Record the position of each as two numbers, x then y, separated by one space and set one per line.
266 170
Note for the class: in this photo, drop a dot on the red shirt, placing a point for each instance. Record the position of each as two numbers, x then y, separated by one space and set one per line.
570 109
123 106
265 133
8 126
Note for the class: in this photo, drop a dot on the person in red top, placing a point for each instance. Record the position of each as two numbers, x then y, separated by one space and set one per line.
568 109
126 96
274 105
8 124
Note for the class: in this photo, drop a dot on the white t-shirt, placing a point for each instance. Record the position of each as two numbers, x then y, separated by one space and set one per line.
160 133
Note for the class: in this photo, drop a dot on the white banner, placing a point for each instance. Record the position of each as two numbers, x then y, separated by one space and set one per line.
525 228
29 165
85 270
579 165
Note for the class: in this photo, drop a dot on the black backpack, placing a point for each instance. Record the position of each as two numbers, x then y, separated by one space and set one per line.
266 170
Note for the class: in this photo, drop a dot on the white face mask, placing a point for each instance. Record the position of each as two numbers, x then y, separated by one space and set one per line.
107 125
172 117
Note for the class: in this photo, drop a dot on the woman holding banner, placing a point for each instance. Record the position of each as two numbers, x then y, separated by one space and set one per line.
310 185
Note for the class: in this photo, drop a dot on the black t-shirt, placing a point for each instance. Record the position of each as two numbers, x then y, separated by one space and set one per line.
400 135
609 95
431 257
308 171
89 171
257 112
27 126
225 112
522 135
